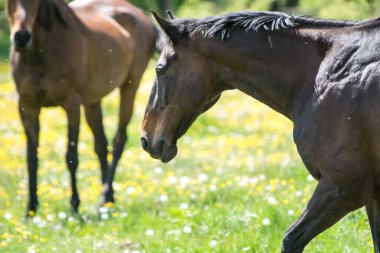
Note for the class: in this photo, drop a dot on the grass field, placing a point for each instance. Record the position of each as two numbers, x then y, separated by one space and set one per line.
235 186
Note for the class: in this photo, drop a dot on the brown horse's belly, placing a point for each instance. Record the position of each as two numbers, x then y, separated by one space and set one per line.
43 92
104 82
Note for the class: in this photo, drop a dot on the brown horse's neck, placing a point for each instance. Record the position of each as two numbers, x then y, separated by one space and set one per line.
273 67
53 15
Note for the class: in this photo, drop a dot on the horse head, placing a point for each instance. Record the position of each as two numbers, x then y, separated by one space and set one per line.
185 87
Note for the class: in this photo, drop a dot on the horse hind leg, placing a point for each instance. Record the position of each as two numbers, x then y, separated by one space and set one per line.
127 97
327 206
94 119
373 213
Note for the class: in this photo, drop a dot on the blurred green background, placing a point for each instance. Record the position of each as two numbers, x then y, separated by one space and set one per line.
341 9
223 191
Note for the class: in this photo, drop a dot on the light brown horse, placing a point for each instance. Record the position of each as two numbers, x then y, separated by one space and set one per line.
68 56
324 75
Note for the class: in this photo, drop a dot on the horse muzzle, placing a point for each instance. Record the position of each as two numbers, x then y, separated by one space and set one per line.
22 40
160 150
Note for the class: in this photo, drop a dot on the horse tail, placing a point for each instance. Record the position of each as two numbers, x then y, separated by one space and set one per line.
161 39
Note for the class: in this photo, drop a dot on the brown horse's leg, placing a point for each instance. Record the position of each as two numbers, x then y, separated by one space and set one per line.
95 121
73 115
30 120
328 205
127 97
373 213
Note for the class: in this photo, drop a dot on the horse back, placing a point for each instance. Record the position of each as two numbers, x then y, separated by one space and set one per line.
129 17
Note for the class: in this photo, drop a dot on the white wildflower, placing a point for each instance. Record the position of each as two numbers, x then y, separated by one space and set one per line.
187 230
272 201
184 206
49 217
158 170
62 215
149 232
36 220
8 216
262 177
131 190
184 181
104 216
164 198
266 222
203 177
172 180
213 243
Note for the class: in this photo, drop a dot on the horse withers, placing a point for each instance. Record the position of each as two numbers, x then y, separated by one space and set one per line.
71 55
324 75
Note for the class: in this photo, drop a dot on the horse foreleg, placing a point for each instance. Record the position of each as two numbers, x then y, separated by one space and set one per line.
30 120
72 109
95 121
127 97
328 205
373 213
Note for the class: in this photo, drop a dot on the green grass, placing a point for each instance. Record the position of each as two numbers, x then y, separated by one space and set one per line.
4 41
235 161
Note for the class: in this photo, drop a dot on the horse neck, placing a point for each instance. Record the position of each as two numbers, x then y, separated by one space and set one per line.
53 17
273 67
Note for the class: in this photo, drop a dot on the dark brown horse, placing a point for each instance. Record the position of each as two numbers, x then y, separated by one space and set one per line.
323 75
68 56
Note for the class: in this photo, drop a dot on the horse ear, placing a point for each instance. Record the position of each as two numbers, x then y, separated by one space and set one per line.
171 15
169 28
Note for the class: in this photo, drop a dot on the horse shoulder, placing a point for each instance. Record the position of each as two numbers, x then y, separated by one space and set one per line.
340 125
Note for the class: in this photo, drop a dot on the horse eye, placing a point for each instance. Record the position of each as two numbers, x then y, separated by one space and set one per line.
160 70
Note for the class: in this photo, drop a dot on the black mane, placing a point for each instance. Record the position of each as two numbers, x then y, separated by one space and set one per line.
219 27
51 11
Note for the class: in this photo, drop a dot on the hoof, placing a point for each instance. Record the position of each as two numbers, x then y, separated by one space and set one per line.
75 207
108 204
30 214
107 195
31 210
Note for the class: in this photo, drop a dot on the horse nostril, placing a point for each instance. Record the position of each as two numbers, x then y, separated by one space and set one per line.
144 143
22 38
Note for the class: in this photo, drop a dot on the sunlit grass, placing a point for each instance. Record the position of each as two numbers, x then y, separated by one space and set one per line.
235 186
